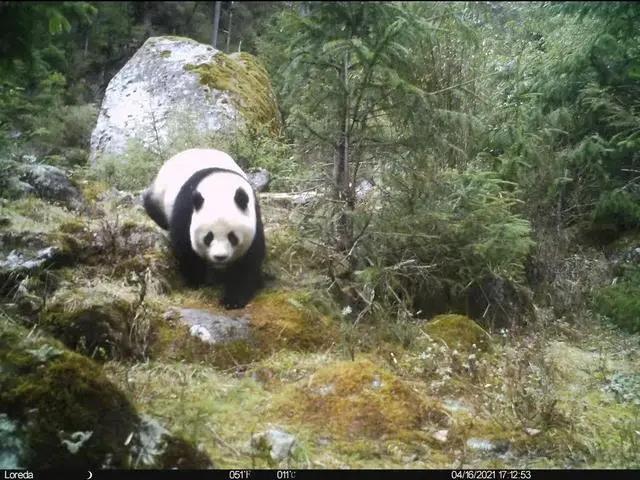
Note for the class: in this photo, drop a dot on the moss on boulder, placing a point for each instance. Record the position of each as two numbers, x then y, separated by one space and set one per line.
245 77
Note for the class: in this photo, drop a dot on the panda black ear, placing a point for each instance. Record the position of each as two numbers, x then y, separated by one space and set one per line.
241 198
198 200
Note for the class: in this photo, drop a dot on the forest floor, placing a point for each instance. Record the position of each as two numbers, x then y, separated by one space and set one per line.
562 393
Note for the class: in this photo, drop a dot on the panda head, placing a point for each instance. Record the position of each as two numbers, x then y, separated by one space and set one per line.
223 223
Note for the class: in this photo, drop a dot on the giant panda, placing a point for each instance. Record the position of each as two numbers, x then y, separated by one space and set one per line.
203 198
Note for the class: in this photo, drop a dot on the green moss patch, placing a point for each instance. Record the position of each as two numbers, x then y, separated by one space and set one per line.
355 399
245 77
620 302
287 320
52 392
458 332
64 413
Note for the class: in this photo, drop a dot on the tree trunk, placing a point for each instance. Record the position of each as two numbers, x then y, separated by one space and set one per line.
216 24
86 44
341 176
229 27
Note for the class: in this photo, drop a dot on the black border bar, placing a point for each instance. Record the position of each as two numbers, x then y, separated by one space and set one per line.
292 474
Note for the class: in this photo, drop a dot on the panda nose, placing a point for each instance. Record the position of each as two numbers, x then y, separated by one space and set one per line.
219 258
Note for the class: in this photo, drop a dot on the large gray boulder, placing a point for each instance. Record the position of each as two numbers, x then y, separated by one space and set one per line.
177 85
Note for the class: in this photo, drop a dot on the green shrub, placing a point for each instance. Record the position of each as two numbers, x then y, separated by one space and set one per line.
249 148
66 130
10 171
254 150
132 171
617 210
620 303
435 234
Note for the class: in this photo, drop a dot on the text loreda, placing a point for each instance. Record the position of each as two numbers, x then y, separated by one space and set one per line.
18 475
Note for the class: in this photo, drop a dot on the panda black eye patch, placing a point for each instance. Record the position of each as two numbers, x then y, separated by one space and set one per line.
241 198
208 238
233 239
198 200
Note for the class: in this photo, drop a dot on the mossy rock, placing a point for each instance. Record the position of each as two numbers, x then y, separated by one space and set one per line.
458 332
245 77
278 320
64 413
355 399
172 340
26 256
104 321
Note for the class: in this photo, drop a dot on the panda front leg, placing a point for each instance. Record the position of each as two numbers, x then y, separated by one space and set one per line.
240 286
192 269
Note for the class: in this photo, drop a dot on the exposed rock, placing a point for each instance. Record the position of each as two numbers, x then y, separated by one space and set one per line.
277 443
259 179
51 183
290 199
441 436
16 265
19 188
17 261
153 446
625 387
12 444
484 445
455 406
177 83
304 198
212 328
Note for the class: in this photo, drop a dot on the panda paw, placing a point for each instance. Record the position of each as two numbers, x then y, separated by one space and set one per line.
231 303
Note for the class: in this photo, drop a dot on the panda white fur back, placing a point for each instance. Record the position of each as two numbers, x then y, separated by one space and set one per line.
204 199
177 170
